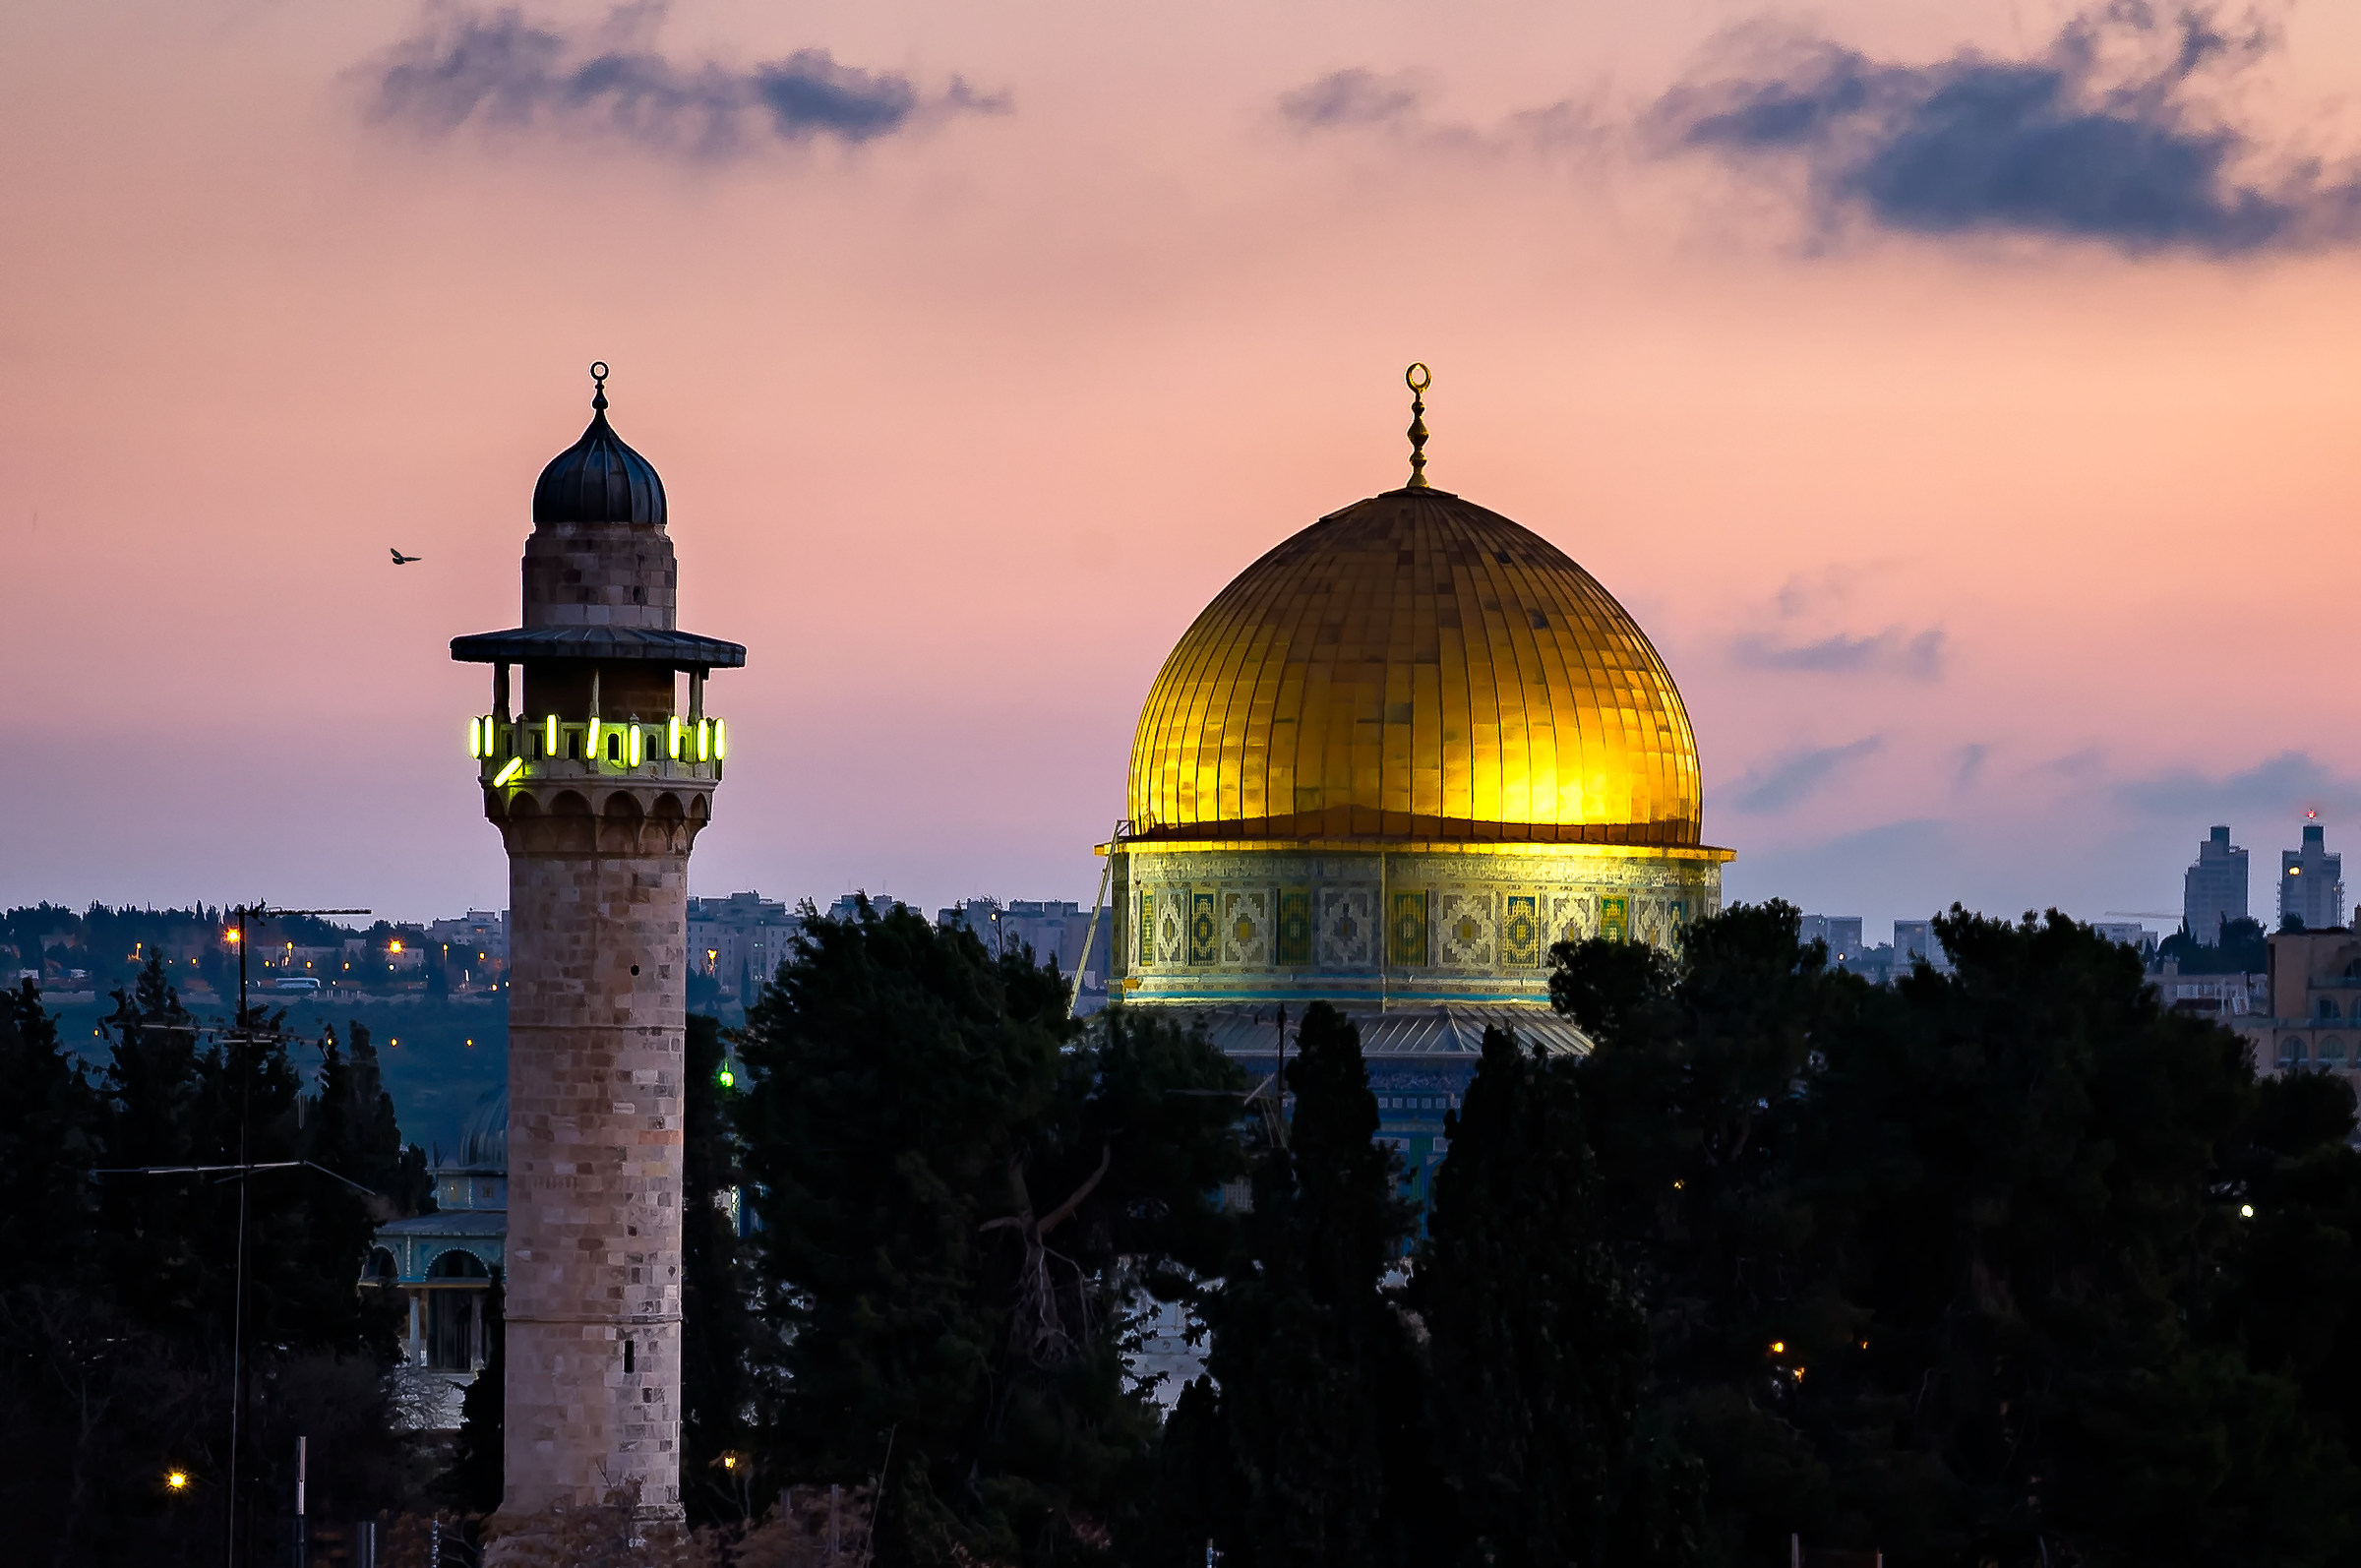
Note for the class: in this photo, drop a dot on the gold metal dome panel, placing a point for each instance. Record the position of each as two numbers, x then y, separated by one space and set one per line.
1416 667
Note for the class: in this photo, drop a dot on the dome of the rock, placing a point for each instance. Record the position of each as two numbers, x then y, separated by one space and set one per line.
1415 667
1393 764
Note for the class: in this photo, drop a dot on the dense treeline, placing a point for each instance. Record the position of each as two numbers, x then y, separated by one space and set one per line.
961 1197
117 1291
2006 1264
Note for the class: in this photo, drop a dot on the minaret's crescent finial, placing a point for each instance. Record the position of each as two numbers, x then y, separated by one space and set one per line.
1418 378
598 373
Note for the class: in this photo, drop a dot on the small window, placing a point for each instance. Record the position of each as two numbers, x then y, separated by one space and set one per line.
614 746
2332 1053
2328 1007
631 1357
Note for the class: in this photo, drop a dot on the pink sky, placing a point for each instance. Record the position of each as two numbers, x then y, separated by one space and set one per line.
963 422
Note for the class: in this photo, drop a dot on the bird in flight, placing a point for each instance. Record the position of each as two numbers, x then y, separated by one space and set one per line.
401 559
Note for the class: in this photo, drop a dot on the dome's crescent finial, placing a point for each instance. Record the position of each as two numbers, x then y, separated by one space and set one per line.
1418 378
598 373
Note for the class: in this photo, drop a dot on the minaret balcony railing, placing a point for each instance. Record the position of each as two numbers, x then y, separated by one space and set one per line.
549 747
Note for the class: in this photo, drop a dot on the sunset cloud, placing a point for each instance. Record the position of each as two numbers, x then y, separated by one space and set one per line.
1916 656
498 71
1785 780
2281 786
2107 136
1353 97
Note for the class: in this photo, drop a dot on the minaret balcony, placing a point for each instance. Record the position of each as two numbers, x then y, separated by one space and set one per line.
524 750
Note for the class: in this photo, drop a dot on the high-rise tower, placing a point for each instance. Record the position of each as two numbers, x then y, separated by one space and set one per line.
2311 884
598 777
2213 892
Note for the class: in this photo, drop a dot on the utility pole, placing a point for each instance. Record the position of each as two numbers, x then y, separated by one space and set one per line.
303 1536
243 1037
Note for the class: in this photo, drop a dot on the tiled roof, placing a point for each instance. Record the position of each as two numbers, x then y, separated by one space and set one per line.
1414 1032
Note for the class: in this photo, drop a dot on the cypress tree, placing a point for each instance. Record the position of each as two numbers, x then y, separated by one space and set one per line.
476 1476
1319 1388
1537 1343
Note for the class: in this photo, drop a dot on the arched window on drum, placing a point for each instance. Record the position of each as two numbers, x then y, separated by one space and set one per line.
2329 1057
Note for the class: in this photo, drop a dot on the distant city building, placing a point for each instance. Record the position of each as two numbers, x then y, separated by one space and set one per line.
2226 998
1915 940
1842 933
2136 937
2314 1024
2312 882
1052 930
2214 891
1883 964
847 906
740 941
478 938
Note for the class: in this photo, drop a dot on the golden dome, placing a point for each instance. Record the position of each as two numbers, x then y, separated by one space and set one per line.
1415 667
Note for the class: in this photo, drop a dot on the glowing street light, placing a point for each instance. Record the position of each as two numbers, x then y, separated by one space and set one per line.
176 1480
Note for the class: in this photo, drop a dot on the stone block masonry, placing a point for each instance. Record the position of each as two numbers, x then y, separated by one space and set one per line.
595 1061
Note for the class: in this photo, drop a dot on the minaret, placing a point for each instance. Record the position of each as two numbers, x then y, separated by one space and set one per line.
598 778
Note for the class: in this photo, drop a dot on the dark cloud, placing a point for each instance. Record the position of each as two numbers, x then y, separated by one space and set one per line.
1356 96
498 70
1781 782
1970 764
1892 651
2074 143
2283 786
1368 103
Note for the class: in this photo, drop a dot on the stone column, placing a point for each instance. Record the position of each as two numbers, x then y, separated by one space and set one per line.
596 1012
